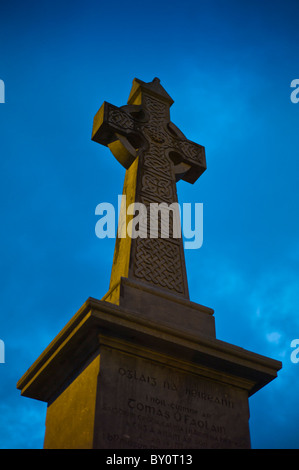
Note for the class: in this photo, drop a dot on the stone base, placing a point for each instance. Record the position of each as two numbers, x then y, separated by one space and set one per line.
117 379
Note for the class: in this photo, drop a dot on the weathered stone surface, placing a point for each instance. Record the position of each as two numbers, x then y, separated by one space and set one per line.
146 404
164 308
71 415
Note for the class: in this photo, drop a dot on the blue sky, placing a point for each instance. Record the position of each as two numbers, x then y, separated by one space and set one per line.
228 66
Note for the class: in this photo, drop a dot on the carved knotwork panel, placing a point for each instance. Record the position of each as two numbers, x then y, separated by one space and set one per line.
120 119
157 186
159 262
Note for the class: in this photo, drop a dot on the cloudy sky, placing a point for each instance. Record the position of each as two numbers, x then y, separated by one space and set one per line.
228 65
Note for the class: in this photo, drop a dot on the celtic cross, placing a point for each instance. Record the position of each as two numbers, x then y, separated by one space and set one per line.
156 154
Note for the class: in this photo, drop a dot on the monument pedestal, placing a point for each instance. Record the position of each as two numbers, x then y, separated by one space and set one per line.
134 376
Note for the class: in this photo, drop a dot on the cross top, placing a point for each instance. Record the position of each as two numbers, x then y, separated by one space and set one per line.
156 154
130 129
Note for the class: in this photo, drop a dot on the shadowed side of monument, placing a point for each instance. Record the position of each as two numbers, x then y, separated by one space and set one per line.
142 368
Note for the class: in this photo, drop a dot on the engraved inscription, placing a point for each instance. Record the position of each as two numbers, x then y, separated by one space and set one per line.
133 375
160 407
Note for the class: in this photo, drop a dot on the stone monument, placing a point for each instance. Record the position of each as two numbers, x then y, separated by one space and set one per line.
142 368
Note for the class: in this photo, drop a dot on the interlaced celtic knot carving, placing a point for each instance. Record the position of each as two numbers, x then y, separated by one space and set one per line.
121 119
158 261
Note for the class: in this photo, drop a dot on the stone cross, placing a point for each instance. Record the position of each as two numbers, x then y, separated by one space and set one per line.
144 359
155 154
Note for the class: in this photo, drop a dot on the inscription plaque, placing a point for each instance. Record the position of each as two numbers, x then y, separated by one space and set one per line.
148 405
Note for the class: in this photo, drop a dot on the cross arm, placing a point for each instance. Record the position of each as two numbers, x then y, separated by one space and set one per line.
194 156
188 157
111 127
108 121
